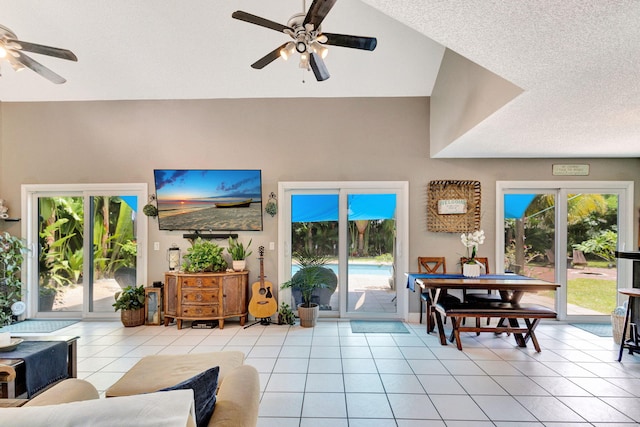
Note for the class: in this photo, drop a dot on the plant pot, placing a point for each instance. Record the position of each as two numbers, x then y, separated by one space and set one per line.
45 302
132 317
308 315
239 265
471 270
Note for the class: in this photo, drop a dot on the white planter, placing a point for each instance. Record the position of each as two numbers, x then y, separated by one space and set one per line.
308 315
239 265
471 270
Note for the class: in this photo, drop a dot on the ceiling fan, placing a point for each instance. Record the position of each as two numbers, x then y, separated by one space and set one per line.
12 50
308 38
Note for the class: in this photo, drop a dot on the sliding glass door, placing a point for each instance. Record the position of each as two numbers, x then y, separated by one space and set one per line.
353 230
567 232
84 248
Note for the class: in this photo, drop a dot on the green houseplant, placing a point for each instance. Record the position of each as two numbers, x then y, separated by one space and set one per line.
238 253
203 256
130 301
285 315
311 276
11 257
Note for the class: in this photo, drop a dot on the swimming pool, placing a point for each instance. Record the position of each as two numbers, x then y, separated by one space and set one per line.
368 269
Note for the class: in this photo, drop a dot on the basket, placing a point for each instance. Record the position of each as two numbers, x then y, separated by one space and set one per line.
617 324
132 317
469 191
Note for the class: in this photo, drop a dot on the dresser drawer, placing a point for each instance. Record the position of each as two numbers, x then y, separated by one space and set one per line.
199 311
200 282
206 296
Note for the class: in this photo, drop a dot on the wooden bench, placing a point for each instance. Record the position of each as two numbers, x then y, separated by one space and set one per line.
530 313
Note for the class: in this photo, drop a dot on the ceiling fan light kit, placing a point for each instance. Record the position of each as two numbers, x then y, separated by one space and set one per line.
12 50
308 38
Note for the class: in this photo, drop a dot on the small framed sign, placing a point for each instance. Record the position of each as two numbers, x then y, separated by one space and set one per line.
571 170
452 206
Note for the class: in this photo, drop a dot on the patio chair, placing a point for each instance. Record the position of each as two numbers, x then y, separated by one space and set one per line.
578 259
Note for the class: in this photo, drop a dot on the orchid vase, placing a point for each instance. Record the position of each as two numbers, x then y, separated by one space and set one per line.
471 269
471 241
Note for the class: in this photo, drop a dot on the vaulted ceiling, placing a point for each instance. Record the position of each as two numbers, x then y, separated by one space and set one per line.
517 79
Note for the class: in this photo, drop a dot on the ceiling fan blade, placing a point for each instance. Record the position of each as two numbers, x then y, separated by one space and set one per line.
45 50
39 68
318 11
253 19
355 42
268 58
318 67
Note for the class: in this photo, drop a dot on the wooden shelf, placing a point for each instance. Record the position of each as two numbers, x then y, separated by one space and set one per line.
221 236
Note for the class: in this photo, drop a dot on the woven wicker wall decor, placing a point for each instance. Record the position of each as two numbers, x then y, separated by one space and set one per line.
451 190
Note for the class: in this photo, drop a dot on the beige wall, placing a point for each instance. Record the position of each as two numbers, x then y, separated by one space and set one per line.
464 95
289 139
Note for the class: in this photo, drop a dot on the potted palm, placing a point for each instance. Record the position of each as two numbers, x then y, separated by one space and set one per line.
131 303
311 276
239 254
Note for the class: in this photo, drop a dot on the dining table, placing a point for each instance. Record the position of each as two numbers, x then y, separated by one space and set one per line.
511 288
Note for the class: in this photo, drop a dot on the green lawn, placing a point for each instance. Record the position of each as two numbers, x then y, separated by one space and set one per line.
598 295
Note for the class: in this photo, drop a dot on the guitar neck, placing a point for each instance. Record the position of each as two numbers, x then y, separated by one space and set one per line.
261 272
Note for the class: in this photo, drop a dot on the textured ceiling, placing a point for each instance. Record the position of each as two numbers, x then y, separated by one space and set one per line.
577 61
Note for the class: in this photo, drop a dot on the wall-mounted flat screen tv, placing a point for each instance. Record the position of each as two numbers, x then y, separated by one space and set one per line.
209 199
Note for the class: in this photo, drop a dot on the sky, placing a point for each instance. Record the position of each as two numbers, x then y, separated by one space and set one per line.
187 184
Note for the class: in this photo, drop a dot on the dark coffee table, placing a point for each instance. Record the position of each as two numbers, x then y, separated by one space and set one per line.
18 386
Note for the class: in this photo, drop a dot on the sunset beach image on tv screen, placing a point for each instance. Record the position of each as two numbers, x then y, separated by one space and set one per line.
209 200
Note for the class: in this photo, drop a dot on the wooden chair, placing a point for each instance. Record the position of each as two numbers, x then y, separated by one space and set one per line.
480 297
431 265
578 259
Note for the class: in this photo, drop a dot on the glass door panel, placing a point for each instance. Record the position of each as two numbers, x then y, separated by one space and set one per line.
530 240
114 253
592 238
314 234
60 253
370 281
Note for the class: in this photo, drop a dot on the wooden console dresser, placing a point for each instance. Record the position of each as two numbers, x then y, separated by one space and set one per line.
205 296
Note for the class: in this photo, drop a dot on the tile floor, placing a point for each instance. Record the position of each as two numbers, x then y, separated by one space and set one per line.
329 376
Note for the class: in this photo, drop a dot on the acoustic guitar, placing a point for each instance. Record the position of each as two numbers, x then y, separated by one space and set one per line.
263 304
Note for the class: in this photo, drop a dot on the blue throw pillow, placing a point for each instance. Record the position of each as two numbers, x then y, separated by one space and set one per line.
204 386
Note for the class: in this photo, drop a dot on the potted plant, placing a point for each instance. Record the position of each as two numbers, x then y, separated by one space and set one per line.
239 254
311 276
11 256
202 256
131 303
471 267
285 315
